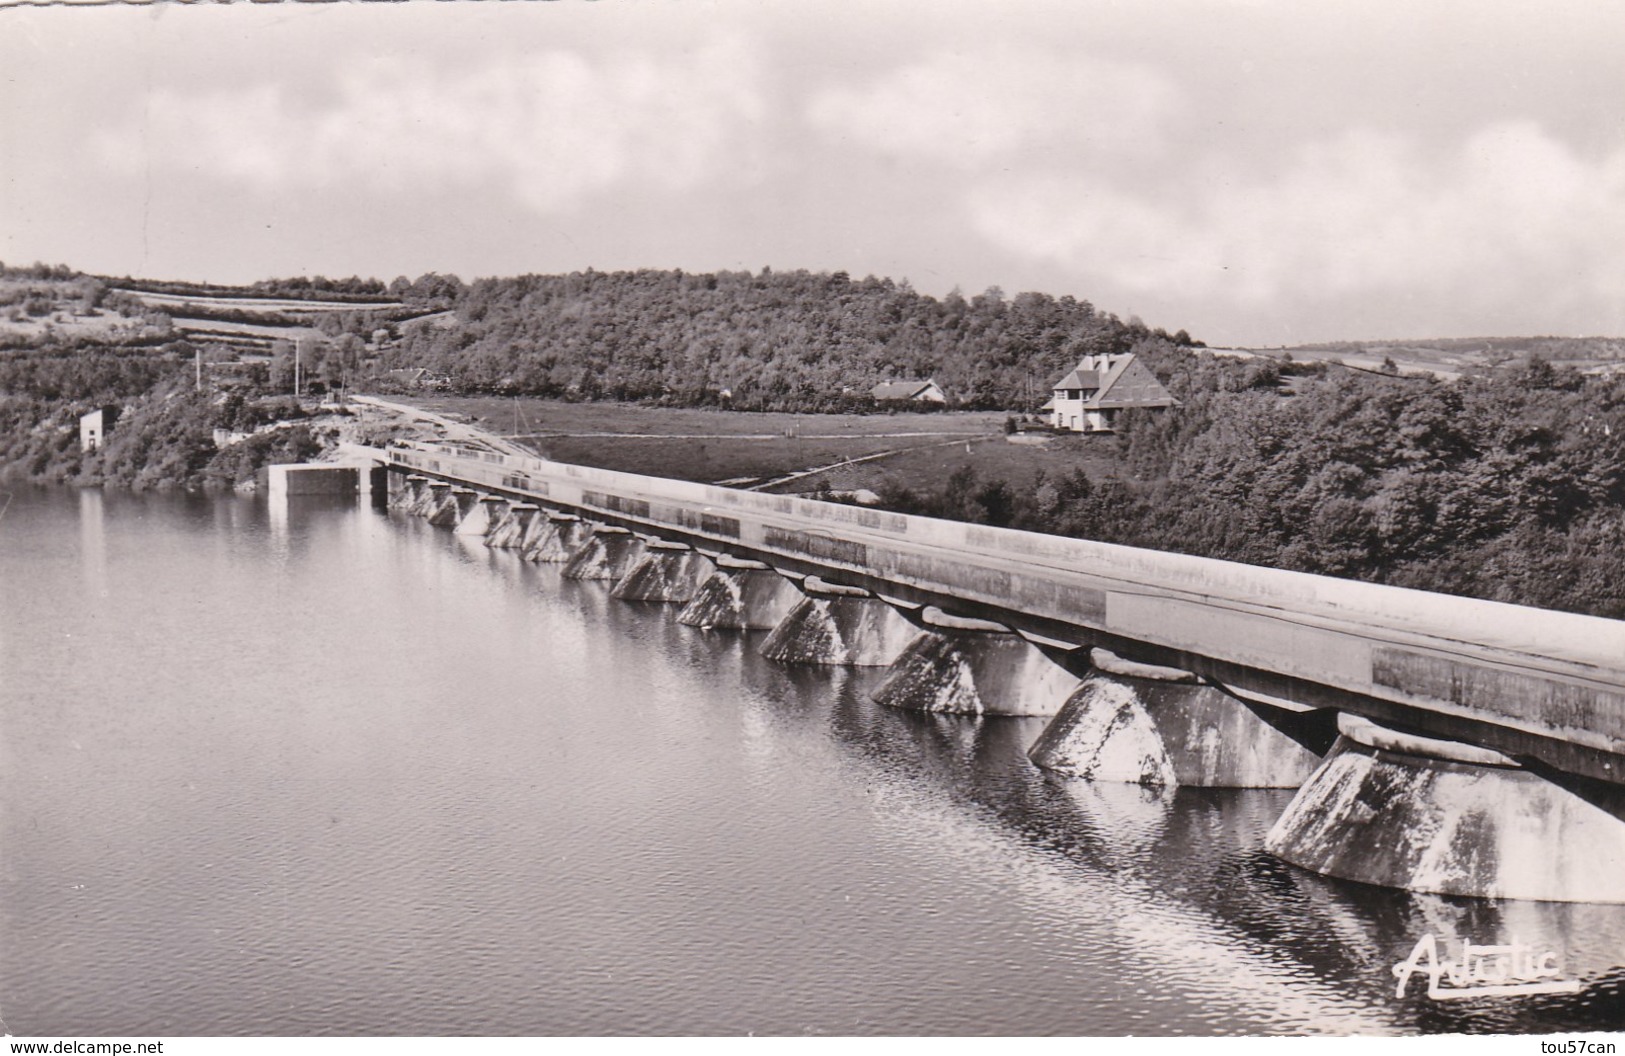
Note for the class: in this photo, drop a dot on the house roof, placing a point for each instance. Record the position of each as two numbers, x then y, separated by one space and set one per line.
1126 383
900 390
1130 383
1080 379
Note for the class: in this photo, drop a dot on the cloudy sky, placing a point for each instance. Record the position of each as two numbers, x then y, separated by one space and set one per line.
1255 171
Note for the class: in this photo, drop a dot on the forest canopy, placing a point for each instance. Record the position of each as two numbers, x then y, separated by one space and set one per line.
767 341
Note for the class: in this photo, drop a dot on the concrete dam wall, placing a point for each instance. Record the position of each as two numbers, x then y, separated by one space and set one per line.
1377 803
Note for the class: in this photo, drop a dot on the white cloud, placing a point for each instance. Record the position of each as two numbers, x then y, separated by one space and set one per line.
976 109
554 126
1510 214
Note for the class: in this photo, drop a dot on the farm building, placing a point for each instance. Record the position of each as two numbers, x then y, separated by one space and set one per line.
94 427
418 378
927 391
1088 399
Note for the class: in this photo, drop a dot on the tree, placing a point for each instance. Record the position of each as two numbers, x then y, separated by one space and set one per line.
282 365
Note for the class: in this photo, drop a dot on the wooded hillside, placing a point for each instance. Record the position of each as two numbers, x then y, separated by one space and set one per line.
769 341
1509 487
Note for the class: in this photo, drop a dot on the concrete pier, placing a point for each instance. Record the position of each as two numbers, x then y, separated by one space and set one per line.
976 668
479 518
425 498
667 572
839 625
1412 812
606 556
555 538
1166 732
741 596
466 499
540 529
404 490
439 507
451 509
509 531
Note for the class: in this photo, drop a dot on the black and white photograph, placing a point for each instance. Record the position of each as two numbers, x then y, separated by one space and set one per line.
851 519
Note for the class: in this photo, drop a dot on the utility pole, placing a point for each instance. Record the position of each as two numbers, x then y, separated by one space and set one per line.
296 368
197 361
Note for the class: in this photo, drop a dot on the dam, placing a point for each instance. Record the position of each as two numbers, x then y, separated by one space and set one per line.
1438 744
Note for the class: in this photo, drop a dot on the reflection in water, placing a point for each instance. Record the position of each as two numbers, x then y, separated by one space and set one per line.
92 542
341 772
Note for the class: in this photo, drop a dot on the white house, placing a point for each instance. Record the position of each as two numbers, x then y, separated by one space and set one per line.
94 427
1088 399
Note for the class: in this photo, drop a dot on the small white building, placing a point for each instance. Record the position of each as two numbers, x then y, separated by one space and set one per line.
927 391
1088 399
94 427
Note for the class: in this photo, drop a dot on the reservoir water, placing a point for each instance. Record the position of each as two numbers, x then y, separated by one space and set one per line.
328 770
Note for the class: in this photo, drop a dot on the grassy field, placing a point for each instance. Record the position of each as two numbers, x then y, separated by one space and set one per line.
66 318
756 449
993 458
69 325
177 302
1451 358
527 416
260 330
727 459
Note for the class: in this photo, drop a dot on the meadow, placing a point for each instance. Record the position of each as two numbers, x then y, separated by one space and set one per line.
748 448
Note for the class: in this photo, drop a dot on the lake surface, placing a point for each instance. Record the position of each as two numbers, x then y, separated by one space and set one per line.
328 770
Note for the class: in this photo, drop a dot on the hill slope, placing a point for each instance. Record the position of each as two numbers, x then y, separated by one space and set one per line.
773 340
